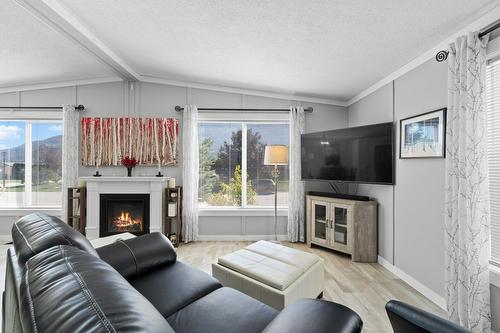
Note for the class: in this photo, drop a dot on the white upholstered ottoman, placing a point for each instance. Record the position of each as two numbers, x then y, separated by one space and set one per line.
274 274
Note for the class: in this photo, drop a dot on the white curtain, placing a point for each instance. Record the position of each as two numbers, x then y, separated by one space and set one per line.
467 216
70 160
296 186
190 174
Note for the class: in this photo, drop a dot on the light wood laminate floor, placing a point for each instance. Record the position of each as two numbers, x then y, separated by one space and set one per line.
365 288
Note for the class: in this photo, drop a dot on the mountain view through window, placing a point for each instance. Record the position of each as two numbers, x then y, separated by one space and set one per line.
30 163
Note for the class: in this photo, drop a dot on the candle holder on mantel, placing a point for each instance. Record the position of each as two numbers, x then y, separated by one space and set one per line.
159 174
97 174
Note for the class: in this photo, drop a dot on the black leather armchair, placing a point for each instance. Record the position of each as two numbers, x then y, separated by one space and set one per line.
308 315
409 319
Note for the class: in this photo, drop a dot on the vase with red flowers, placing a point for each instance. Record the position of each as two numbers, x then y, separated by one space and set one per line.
129 163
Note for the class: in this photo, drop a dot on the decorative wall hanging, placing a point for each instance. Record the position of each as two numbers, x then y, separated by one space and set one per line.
423 135
151 141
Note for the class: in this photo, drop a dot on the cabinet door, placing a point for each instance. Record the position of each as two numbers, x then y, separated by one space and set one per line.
340 231
320 213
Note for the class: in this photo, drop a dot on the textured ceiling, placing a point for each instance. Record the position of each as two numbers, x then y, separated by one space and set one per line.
321 48
32 52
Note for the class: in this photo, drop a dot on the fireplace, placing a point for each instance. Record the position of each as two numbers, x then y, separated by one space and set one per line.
124 213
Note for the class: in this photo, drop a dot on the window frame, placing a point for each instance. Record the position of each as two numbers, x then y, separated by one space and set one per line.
244 209
492 54
29 118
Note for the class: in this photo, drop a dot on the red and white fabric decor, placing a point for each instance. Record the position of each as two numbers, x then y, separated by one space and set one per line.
151 141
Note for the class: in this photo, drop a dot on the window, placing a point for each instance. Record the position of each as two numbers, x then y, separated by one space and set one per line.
493 128
30 163
232 172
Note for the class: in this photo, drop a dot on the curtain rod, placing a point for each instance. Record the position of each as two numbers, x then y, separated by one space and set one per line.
443 54
77 108
490 29
180 109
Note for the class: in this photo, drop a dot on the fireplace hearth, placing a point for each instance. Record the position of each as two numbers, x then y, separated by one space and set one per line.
124 213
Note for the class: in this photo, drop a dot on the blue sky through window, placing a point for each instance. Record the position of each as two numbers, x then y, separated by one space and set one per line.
12 133
42 131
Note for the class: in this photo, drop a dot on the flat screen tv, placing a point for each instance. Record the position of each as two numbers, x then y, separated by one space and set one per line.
362 154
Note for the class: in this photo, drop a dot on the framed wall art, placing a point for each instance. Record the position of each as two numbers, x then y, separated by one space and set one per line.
423 136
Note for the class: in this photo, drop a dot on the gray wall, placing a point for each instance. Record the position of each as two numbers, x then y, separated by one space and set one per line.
145 99
419 190
411 213
378 108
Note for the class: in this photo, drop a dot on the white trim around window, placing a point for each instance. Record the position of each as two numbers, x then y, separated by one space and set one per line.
495 275
56 211
29 118
243 118
493 53
235 211
248 116
30 115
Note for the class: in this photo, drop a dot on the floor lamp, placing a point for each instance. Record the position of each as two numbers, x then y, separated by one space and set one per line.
276 155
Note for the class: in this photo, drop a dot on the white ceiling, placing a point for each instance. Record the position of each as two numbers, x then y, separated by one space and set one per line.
329 49
32 52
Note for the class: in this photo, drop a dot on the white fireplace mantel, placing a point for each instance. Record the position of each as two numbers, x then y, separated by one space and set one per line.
154 186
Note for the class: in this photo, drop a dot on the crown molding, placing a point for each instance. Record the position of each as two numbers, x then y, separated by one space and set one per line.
163 81
59 84
243 91
491 16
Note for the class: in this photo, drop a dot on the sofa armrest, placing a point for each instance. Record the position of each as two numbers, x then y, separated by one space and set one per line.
407 318
311 315
138 255
107 240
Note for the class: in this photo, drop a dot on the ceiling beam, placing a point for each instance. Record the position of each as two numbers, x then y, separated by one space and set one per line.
62 20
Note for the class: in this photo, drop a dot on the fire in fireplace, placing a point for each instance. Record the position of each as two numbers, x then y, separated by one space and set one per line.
126 222
124 213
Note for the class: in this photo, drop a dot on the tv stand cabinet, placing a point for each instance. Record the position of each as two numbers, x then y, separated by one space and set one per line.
348 226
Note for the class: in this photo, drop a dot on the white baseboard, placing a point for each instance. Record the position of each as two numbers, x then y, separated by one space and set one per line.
249 238
418 286
224 238
5 239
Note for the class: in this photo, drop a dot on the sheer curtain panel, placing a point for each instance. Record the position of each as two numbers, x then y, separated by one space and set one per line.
70 146
467 216
295 228
190 173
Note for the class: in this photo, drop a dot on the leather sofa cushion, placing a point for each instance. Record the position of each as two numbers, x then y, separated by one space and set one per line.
68 290
223 310
272 272
138 255
300 259
11 296
37 232
312 315
172 287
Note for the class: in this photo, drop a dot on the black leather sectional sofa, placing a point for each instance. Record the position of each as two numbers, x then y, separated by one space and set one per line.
57 282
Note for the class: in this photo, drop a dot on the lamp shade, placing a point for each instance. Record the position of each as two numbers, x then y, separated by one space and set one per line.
276 155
